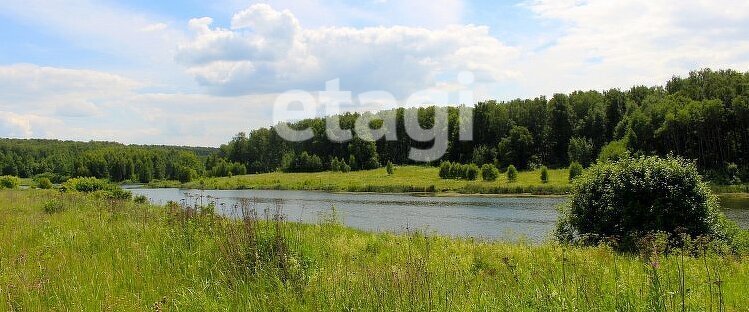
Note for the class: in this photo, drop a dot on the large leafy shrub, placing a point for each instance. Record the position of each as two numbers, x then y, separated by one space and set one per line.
95 186
44 183
634 197
86 185
9 182
613 151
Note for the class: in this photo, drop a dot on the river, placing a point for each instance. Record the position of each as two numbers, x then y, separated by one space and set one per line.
529 219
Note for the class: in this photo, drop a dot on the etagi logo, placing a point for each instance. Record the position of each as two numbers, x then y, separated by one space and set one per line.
332 98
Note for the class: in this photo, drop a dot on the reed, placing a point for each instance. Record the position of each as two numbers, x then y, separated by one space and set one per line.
100 254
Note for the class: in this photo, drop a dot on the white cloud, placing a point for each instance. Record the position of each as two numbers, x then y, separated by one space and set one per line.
49 102
58 91
267 50
27 125
154 27
622 43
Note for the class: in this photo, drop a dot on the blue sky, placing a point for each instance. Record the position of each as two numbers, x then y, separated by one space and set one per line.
196 72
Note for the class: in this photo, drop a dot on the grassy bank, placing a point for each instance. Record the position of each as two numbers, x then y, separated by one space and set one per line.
405 179
89 254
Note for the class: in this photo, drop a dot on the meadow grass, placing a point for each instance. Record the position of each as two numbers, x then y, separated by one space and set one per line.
94 254
404 179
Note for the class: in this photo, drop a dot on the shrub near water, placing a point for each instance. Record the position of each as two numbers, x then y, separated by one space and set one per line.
489 172
512 173
9 182
96 186
44 183
575 170
451 170
635 197
544 174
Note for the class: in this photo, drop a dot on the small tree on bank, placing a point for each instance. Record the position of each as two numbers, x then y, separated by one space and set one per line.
489 172
512 173
544 174
575 170
390 168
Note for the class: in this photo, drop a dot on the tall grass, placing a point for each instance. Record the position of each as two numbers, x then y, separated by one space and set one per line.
95 254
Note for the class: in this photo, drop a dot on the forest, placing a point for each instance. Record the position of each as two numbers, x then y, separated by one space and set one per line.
61 160
703 117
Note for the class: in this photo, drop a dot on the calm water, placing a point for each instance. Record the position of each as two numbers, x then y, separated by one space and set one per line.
505 218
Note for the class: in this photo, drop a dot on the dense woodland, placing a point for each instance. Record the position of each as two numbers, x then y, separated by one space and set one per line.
703 117
60 160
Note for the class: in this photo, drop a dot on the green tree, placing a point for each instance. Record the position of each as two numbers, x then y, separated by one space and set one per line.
580 150
517 147
390 168
472 172
512 173
544 174
489 172
575 170
613 151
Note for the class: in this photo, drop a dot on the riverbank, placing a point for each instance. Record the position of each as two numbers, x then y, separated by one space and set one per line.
406 179
90 254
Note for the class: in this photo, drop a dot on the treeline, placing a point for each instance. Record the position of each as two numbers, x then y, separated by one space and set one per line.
61 160
704 117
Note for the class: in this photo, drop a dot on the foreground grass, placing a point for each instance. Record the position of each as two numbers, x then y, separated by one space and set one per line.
405 179
108 255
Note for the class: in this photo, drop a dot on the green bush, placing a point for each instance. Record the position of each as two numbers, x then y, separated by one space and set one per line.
732 174
99 188
489 172
54 206
613 151
635 197
86 185
544 174
512 173
456 171
576 170
450 170
303 162
444 169
44 183
472 172
9 182
186 174
390 168
140 199
335 165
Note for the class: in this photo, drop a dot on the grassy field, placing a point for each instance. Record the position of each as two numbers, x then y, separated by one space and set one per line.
70 252
405 179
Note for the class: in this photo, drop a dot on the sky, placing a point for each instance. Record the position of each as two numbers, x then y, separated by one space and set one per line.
197 72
